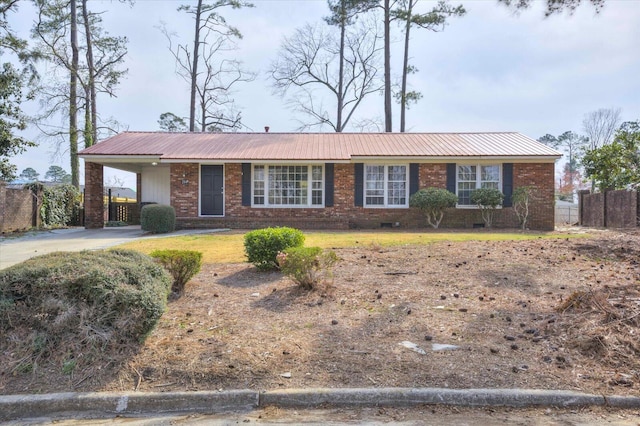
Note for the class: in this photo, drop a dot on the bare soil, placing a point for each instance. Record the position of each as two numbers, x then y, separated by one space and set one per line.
560 313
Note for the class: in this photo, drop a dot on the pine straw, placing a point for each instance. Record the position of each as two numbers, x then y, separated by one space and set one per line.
604 325
503 303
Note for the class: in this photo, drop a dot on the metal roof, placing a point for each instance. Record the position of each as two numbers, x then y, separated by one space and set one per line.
316 146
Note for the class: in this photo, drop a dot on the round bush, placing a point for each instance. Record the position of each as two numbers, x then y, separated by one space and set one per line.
181 264
158 218
433 202
263 245
89 307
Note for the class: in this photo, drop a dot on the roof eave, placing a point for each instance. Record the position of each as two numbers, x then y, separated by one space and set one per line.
123 158
458 158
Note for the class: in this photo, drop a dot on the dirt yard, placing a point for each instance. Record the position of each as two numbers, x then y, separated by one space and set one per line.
560 313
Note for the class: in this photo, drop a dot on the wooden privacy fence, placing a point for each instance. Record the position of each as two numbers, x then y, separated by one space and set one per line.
609 209
123 212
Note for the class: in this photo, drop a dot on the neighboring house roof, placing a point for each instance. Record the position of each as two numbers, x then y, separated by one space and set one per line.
117 191
340 147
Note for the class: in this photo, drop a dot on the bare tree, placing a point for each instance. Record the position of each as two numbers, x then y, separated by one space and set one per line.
310 60
343 14
211 89
56 31
435 20
573 144
600 126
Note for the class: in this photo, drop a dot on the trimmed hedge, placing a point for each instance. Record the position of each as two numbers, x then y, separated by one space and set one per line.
488 200
263 245
87 306
181 264
158 218
433 202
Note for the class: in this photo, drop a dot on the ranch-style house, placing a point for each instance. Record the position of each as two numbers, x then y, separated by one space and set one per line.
322 180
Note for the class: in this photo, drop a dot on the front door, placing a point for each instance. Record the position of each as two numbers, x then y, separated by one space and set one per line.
212 191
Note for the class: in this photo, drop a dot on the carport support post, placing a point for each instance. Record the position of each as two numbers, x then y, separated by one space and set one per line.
93 196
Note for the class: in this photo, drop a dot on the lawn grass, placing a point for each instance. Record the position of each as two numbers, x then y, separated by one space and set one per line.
228 247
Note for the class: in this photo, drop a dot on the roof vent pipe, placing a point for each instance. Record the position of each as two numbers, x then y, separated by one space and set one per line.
266 129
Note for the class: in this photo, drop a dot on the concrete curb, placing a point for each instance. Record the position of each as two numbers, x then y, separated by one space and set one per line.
96 404
406 397
101 404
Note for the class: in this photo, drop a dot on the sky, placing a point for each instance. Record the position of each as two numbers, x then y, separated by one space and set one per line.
491 70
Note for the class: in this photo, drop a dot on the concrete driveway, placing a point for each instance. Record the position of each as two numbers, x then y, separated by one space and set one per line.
17 249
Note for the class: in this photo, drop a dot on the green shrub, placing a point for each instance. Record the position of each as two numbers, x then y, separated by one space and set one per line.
263 245
307 266
433 202
181 264
60 204
158 218
488 200
91 306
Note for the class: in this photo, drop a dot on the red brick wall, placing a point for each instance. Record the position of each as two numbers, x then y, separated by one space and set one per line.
185 188
344 214
18 209
541 177
93 196
433 175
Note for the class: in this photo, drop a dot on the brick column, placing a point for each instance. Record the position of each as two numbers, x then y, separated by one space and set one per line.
93 198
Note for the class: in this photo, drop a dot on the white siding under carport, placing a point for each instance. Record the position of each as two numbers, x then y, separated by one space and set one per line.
156 184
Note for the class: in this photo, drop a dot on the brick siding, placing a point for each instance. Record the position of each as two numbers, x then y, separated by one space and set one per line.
185 188
18 209
345 215
93 195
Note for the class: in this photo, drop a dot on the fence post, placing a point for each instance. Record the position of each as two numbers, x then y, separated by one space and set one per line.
109 206
581 195
605 207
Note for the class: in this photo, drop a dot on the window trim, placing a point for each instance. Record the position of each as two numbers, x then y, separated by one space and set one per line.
386 204
478 181
310 189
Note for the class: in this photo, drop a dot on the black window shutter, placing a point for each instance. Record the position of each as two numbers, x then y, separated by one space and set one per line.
328 185
507 184
359 184
414 178
451 177
246 184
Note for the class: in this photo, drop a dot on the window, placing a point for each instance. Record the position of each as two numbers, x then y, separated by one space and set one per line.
470 177
288 186
385 186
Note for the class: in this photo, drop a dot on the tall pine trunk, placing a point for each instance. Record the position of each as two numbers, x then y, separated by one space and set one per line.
405 66
91 130
343 25
387 67
73 98
194 70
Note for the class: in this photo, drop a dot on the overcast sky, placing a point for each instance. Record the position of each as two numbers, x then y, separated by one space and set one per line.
491 70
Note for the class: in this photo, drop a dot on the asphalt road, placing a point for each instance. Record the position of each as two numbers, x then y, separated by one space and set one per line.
18 249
